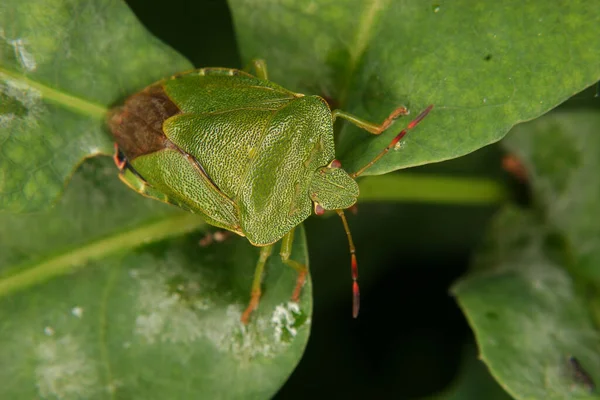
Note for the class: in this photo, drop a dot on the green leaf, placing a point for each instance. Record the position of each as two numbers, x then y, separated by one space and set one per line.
102 298
527 314
62 64
485 66
560 152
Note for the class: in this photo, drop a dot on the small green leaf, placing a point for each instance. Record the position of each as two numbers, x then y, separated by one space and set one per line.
102 298
485 66
63 63
560 152
527 315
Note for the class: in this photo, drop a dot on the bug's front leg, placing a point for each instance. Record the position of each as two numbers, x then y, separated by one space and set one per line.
260 68
265 252
371 127
377 129
285 253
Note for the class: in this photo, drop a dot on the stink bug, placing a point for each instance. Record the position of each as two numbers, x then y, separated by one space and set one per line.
244 153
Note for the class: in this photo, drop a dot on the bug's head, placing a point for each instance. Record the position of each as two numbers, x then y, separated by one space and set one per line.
332 188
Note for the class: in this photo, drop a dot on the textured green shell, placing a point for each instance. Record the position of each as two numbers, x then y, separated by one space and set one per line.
258 142
250 150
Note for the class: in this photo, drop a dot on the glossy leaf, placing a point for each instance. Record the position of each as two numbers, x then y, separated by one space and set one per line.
485 66
102 298
533 324
62 64
560 153
533 327
527 315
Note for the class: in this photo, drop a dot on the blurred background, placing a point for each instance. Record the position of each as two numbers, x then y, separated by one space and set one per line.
411 340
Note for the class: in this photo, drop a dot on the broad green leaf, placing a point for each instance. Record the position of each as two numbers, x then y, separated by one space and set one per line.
102 297
486 66
528 317
560 152
62 64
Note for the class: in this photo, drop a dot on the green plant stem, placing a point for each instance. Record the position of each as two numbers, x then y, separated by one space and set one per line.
68 261
79 105
422 188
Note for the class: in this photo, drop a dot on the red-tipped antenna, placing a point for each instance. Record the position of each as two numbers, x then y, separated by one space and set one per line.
354 264
395 140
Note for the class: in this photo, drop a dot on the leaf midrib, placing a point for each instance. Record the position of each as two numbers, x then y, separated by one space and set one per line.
77 104
29 274
363 36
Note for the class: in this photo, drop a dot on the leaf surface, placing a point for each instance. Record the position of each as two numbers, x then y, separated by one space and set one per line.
102 297
63 63
532 325
485 67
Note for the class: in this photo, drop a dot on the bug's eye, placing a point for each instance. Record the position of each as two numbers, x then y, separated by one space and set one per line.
335 164
318 209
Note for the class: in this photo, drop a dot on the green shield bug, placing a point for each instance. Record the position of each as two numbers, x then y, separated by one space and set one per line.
244 153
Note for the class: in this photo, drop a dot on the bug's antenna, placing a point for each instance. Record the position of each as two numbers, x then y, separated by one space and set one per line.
395 140
355 290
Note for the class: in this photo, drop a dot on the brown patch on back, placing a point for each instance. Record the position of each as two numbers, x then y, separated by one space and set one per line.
137 125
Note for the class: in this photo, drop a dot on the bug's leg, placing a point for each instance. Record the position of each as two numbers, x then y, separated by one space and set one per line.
265 252
371 127
394 141
134 181
285 253
353 266
260 68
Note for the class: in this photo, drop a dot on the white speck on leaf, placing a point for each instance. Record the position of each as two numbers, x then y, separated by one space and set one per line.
23 55
64 371
400 145
77 312
48 331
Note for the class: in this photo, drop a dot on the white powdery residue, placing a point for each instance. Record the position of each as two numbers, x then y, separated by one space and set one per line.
176 306
255 339
220 329
167 315
23 55
168 321
248 342
283 319
30 99
64 371
20 91
6 120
